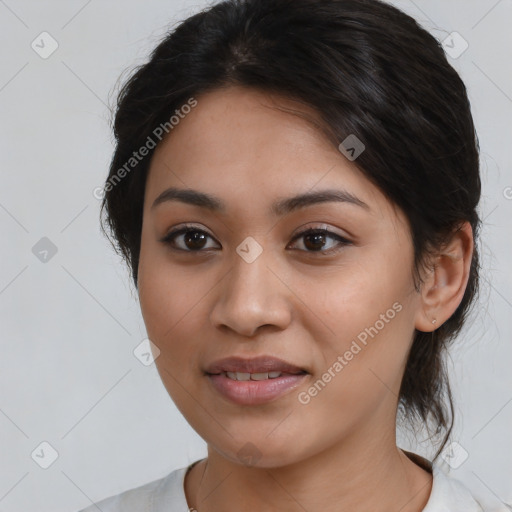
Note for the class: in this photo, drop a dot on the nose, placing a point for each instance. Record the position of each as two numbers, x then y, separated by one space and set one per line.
251 296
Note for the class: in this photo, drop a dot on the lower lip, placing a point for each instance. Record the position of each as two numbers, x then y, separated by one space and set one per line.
254 392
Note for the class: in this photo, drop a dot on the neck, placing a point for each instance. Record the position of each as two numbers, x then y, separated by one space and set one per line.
355 475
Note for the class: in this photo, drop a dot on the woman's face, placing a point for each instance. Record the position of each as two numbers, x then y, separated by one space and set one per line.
242 283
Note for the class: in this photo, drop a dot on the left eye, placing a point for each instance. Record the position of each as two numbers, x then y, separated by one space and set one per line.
316 239
194 240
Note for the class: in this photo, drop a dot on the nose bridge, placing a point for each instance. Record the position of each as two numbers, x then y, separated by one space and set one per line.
251 295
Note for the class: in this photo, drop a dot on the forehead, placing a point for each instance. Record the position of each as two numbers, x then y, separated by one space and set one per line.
239 141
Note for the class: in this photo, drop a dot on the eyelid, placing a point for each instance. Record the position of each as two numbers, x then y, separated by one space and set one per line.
183 227
312 226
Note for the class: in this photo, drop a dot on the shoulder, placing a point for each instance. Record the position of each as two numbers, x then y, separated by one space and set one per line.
450 495
166 493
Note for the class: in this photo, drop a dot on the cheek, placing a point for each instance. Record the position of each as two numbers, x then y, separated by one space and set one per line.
369 333
357 300
171 309
169 305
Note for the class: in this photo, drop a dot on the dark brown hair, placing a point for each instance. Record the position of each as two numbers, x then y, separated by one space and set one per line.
367 69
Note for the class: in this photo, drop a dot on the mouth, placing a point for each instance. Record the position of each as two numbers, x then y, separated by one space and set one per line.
258 368
254 381
245 376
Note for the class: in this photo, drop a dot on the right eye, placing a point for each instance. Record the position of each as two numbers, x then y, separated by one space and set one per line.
193 239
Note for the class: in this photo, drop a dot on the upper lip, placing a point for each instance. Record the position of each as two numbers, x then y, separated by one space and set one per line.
260 364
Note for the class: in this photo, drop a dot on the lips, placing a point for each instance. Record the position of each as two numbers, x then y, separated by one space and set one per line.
255 392
261 364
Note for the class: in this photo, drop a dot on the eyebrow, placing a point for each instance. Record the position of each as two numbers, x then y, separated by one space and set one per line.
279 208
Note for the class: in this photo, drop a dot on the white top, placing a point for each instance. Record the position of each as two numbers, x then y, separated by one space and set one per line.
167 494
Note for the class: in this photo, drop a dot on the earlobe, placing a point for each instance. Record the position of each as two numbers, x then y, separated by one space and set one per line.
443 288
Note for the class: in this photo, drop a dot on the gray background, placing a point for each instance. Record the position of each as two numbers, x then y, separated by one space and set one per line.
70 324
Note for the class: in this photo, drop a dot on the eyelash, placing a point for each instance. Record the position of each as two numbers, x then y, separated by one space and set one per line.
169 238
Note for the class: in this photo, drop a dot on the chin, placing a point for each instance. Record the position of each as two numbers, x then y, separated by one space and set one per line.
252 454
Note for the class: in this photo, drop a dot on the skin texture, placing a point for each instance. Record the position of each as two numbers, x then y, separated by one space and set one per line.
337 452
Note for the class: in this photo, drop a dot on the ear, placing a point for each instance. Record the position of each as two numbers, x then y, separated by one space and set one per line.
444 285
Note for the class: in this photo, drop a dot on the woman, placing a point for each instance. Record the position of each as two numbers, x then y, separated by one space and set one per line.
294 189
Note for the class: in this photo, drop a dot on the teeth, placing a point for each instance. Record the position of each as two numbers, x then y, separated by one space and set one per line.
252 376
259 376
